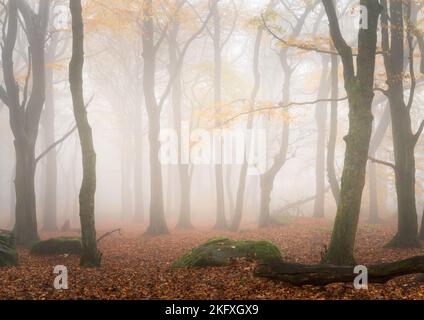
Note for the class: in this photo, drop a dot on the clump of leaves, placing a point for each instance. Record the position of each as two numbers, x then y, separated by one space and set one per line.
8 254
221 251
62 245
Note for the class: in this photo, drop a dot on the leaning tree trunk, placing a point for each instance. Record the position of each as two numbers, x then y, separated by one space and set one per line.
359 88
90 256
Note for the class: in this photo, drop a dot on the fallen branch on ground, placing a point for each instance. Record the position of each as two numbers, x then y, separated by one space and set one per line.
108 234
300 274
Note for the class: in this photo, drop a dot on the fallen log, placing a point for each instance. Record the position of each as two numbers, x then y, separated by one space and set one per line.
320 275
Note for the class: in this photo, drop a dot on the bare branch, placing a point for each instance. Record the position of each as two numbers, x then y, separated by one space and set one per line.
385 163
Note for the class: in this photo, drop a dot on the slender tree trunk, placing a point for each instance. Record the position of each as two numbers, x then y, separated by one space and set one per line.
90 256
157 223
321 119
50 201
12 200
376 141
421 236
221 222
184 220
138 166
235 225
332 141
126 174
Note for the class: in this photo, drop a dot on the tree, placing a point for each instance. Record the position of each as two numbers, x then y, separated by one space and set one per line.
359 89
235 224
25 113
267 178
404 140
90 256
321 120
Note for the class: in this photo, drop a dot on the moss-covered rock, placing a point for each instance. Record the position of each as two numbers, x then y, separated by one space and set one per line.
8 254
62 245
222 251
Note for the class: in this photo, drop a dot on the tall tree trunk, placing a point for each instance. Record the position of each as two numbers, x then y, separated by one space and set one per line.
50 201
221 222
332 140
421 235
404 140
90 256
184 220
25 212
138 166
25 115
235 225
359 88
157 223
376 141
321 119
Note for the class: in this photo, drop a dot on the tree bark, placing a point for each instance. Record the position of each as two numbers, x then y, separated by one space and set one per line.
359 88
184 220
157 223
221 222
90 256
50 201
332 141
25 113
321 120
238 212
404 140
321 275
376 141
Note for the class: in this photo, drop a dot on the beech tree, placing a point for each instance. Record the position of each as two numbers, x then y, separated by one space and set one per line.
25 108
360 92
90 256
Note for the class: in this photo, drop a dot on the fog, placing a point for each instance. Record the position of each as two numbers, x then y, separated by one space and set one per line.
115 96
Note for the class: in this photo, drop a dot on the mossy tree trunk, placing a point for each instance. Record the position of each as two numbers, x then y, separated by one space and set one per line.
90 256
359 88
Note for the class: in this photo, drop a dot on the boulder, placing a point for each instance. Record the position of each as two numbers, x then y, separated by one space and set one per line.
8 254
61 245
223 251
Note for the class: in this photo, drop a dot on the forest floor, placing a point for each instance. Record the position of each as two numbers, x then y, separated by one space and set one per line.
138 267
